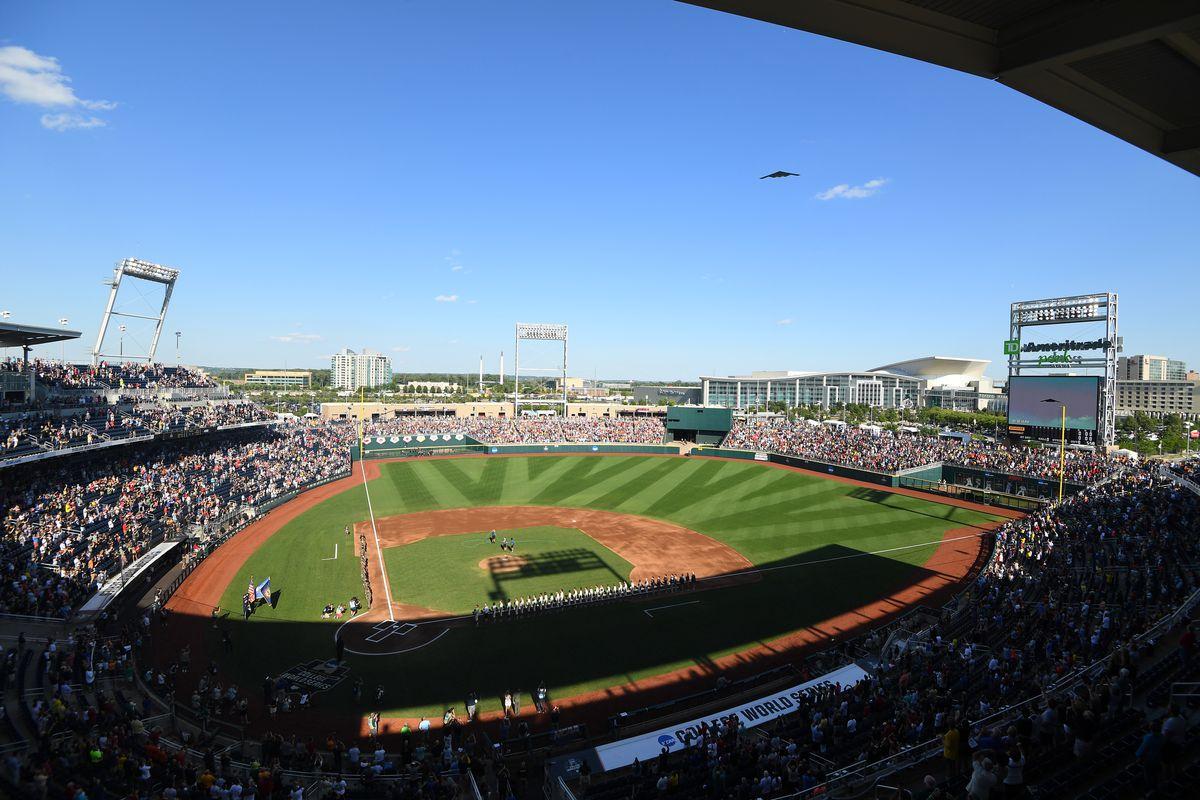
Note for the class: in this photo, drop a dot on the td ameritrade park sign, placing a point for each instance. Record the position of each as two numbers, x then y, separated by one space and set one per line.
1048 351
1069 344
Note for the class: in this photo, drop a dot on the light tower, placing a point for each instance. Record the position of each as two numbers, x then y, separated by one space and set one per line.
545 332
145 271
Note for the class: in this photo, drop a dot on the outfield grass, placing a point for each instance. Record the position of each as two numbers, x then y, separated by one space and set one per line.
444 572
775 518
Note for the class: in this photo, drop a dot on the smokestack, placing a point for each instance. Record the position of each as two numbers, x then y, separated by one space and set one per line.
502 370
481 374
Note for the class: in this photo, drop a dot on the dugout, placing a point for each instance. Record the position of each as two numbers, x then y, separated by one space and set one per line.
699 424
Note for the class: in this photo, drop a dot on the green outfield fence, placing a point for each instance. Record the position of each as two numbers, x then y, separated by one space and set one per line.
458 444
866 475
505 449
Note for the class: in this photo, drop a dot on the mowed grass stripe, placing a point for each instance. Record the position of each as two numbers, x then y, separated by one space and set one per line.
448 482
461 484
720 486
566 484
491 480
412 493
620 495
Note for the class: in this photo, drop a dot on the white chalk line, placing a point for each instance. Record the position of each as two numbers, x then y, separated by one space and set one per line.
387 588
647 611
335 545
397 652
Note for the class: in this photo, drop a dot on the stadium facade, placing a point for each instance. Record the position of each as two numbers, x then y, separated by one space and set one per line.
939 381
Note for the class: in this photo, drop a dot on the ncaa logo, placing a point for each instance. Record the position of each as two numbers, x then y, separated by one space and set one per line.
667 740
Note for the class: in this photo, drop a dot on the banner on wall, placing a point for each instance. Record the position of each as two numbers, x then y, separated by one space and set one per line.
752 713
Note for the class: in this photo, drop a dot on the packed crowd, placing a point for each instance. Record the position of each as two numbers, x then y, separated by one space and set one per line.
112 376
884 451
45 430
1066 588
547 602
528 430
97 737
67 528
156 418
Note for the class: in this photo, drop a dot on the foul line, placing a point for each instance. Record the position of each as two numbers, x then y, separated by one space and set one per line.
335 544
647 611
387 589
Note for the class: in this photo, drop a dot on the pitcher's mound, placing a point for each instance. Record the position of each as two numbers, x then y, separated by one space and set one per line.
503 565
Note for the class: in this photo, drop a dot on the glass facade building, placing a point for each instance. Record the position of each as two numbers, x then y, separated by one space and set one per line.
875 389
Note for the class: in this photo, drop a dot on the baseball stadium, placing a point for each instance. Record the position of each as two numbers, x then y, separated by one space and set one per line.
910 581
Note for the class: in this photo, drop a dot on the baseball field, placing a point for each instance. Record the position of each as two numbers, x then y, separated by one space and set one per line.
784 559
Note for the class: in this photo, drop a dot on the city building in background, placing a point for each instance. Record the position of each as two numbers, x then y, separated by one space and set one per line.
365 370
279 378
956 384
940 381
1151 368
1158 398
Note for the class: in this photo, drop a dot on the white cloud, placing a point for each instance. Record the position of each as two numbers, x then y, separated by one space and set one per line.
785 321
446 298
401 348
457 268
32 79
297 338
845 191
66 122
472 302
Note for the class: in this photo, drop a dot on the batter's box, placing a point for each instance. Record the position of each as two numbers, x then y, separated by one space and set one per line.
383 630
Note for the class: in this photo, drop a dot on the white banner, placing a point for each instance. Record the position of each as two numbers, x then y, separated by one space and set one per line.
753 713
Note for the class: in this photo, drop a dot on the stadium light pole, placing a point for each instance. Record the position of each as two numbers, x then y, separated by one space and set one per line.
63 353
1062 445
121 352
177 335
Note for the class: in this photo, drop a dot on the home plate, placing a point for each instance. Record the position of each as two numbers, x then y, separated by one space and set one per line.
383 630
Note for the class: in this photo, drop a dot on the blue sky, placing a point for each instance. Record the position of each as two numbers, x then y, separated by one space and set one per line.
323 173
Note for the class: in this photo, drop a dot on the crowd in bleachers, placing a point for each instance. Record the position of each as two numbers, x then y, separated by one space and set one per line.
128 374
528 430
35 431
882 450
1066 588
97 736
1187 468
68 528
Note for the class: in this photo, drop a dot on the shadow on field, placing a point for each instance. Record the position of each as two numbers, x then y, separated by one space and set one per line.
887 499
821 597
515 566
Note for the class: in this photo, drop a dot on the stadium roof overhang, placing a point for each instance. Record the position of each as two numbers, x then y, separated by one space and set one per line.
1128 67
13 335
937 366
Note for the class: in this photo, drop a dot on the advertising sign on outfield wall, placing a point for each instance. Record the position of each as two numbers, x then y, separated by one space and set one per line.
752 713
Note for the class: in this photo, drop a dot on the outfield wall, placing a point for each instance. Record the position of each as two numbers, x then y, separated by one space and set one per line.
1006 483
574 447
865 475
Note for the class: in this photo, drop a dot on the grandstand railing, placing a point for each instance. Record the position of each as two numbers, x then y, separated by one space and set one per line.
1179 480
969 493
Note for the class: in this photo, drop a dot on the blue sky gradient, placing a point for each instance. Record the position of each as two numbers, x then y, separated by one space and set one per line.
323 172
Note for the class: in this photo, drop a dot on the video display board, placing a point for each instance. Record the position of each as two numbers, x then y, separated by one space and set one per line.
1030 415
